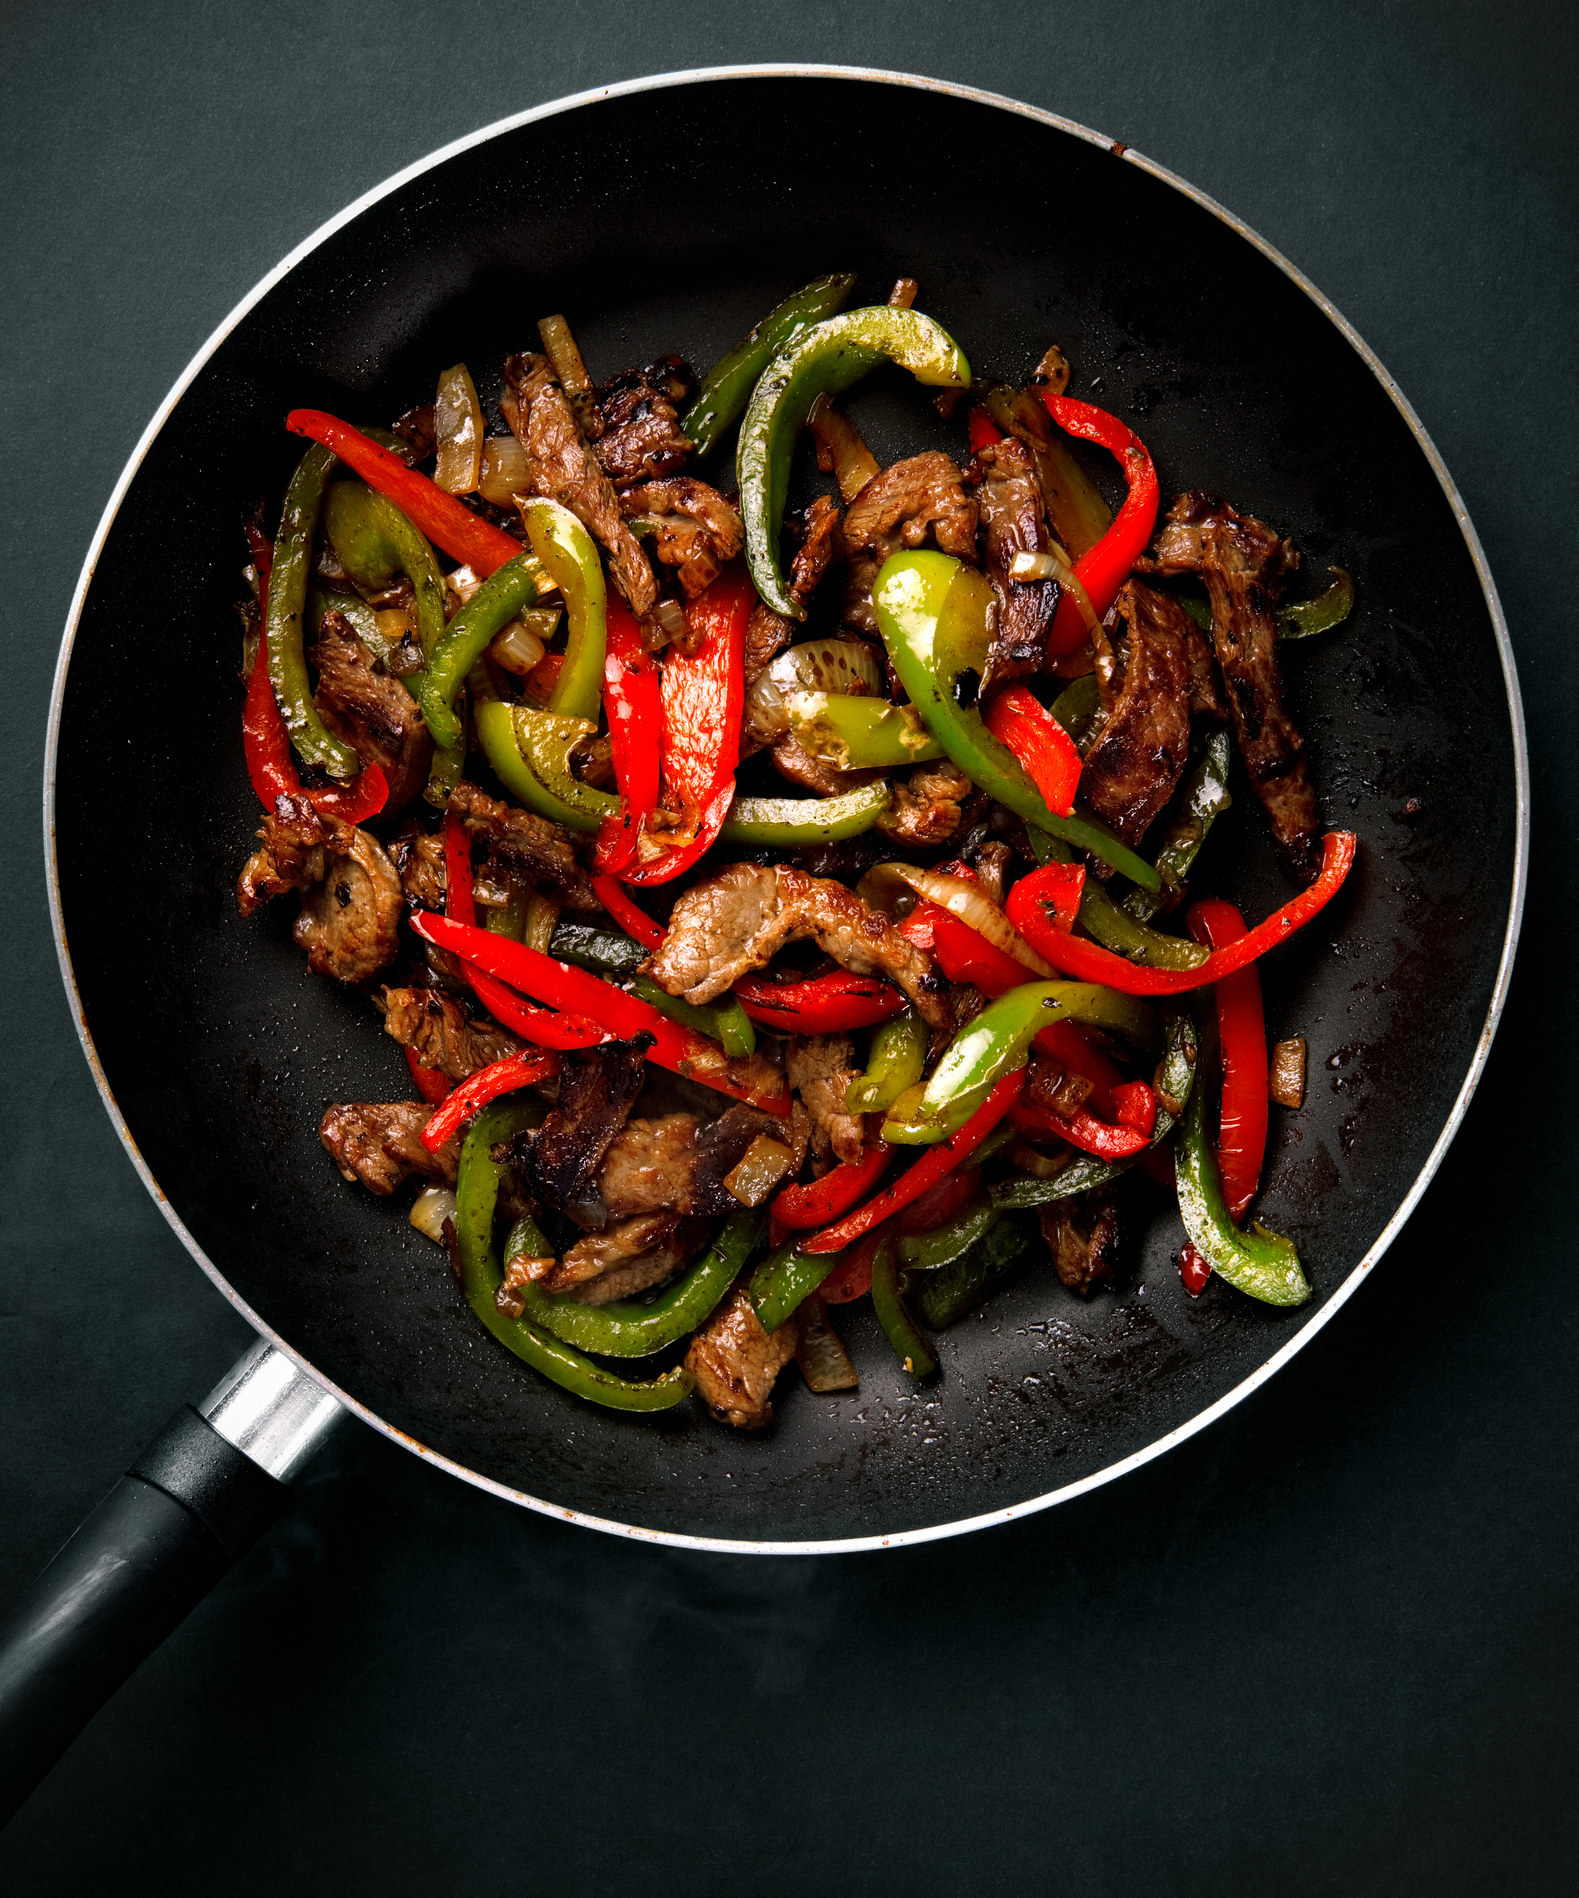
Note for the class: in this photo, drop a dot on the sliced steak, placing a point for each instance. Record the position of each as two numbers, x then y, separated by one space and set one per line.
679 1163
1244 563
793 761
698 531
351 897
597 1087
560 465
738 921
922 498
1082 1234
735 1363
532 846
821 1069
371 710
1132 769
928 806
381 1145
1014 521
767 634
641 439
441 1034
622 1259
418 857
818 549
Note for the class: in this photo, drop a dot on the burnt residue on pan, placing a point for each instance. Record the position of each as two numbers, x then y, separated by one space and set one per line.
222 1050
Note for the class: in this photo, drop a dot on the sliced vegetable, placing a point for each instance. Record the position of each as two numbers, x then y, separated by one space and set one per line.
591 946
1076 512
899 1327
841 668
570 557
806 1208
374 541
458 430
1303 617
530 755
429 1083
889 886
723 1021
1203 800
927 1251
823 1360
282 621
508 1076
1104 568
1019 722
799 823
783 1279
895 1061
1127 936
945 1296
727 386
850 734
829 357
824 1005
515 585
1241 1034
633 701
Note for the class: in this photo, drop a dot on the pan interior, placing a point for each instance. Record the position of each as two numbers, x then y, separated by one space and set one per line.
663 220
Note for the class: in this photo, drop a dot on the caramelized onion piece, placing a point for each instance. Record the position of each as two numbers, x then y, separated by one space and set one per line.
457 428
892 888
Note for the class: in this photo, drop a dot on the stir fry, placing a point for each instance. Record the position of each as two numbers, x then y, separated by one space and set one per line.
781 901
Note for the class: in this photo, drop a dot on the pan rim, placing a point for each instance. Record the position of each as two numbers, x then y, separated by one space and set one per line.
1340 1295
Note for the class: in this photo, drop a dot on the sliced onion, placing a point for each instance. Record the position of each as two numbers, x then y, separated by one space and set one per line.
523 642
504 473
433 1205
1032 566
457 428
842 666
823 1360
463 583
840 450
886 886
665 624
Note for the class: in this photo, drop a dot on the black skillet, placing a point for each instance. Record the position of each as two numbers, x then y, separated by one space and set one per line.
668 215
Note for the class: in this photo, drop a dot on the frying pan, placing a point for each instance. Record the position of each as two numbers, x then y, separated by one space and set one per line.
669 214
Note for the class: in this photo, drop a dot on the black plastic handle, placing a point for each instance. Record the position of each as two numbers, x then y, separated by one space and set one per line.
189 1506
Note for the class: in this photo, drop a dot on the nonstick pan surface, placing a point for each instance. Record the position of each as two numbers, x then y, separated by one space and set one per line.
669 215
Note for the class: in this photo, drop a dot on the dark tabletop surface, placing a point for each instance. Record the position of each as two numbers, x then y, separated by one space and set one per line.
1331 1644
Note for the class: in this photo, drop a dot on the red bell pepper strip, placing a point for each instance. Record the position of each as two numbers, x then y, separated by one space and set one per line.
266 744
1019 720
965 955
582 994
1193 1269
1088 962
1065 1043
630 915
446 522
938 1205
459 903
430 1084
828 1004
803 1208
1080 1129
633 700
851 1278
927 1171
1135 1105
508 1076
1106 566
1241 1030
703 697
982 430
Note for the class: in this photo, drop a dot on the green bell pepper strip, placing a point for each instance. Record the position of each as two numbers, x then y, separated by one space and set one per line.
888 1301
727 1023
625 1328
895 1062
314 742
520 582
530 755
829 357
476 1198
797 823
927 1251
998 1041
374 541
1258 1261
1298 620
1077 706
784 1279
360 616
727 386
945 1296
856 734
1116 929
932 612
596 947
1173 1081
1204 800
570 557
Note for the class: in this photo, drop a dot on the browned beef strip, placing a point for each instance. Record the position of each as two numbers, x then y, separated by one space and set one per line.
290 856
1014 521
928 805
737 921
528 844
735 1363
1082 1234
767 634
380 1144
679 1163
616 1247
1244 563
698 531
820 1069
641 439
817 550
560 465
793 761
597 1087
371 711
418 857
442 1035
1132 769
351 895
919 499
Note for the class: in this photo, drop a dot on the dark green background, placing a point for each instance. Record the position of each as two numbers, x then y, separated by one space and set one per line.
1329 1646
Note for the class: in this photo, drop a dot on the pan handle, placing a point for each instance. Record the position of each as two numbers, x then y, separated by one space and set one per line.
196 1499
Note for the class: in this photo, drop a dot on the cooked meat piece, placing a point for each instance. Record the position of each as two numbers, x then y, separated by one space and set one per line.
442 1035
720 1147
641 438
418 857
926 810
650 1165
532 846
1014 521
1132 769
792 760
820 1069
381 1145
597 1087
767 634
1244 563
992 862
902 507
560 465
418 429
371 711
598 1252
1082 1234
737 921
1049 1084
735 1363
698 530
351 896
818 550
625 1278
1286 1084
1206 686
